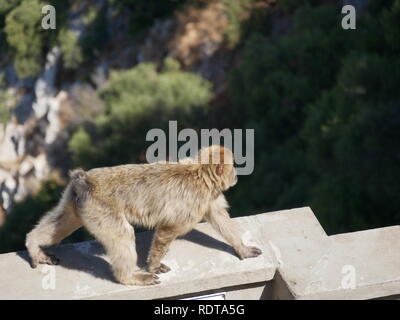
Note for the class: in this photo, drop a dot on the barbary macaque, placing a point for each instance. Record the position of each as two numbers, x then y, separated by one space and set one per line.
170 197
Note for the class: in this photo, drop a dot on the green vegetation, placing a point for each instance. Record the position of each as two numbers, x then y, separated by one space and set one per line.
136 101
236 11
95 35
24 35
324 102
70 48
5 108
326 109
144 13
5 113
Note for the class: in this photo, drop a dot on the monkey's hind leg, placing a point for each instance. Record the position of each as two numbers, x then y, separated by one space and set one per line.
51 229
159 247
117 236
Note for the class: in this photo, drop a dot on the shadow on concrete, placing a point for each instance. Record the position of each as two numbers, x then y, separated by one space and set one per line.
143 243
84 256
205 240
89 256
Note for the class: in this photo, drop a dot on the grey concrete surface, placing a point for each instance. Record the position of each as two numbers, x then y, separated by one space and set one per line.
299 261
200 261
312 265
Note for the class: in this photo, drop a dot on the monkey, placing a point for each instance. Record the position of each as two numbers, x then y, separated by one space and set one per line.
169 197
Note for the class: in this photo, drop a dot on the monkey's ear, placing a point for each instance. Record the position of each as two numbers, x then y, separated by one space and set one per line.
220 169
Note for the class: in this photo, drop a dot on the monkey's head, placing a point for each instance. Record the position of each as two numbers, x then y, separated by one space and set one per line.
220 162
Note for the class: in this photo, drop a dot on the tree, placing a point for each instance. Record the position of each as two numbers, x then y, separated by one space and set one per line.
325 106
136 101
24 35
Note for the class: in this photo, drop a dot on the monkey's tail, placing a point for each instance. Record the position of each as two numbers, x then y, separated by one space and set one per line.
80 186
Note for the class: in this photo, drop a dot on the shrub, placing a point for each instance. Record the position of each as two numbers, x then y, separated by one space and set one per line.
24 35
325 106
70 48
136 101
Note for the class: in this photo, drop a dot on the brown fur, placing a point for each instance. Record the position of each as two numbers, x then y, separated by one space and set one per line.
170 197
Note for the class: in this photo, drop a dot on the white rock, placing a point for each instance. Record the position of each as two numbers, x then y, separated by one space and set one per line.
10 183
25 167
21 192
41 165
4 175
54 121
44 87
10 147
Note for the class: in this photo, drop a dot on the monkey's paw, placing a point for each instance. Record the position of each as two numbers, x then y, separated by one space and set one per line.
44 258
160 269
143 279
249 252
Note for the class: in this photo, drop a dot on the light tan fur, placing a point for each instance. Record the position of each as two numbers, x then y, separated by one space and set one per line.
170 197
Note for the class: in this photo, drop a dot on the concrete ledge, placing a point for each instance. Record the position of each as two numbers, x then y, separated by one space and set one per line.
312 265
200 262
299 261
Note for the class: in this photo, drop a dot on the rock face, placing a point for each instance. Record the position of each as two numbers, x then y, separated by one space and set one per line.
200 33
32 144
40 116
193 37
23 160
27 143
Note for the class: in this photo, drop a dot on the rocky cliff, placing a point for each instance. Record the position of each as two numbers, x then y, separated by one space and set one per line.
33 140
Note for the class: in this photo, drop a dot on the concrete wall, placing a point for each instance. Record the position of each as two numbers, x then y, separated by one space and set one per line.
299 261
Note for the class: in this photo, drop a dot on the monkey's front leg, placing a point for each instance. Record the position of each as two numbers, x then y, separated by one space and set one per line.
219 218
159 247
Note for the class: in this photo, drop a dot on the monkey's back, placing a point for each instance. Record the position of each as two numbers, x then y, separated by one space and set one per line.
152 194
